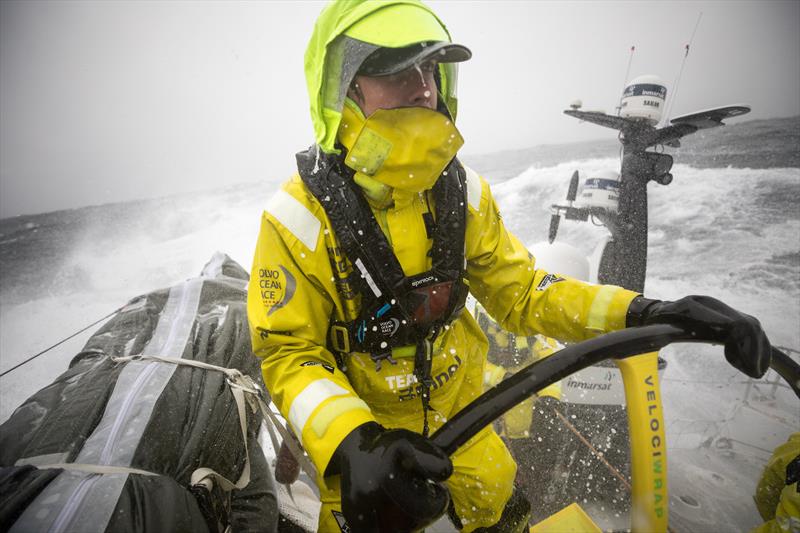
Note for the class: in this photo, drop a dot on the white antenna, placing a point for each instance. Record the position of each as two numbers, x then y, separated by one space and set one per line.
625 81
680 72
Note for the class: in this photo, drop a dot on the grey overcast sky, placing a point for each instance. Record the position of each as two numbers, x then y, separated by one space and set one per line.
111 101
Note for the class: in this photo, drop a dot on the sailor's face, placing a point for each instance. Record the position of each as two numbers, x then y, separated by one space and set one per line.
413 87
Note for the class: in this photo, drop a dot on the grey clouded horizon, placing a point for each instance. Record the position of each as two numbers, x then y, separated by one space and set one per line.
113 101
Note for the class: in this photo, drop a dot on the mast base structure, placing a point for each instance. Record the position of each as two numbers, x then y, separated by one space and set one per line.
619 201
624 258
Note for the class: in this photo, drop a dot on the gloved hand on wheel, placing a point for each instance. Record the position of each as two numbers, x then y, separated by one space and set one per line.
746 345
391 480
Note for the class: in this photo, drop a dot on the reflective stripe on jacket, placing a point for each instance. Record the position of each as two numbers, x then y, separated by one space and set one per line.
293 294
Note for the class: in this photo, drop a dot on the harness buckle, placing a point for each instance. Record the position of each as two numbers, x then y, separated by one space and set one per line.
379 358
340 338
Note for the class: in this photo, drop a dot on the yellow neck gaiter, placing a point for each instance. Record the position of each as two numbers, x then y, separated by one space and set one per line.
405 149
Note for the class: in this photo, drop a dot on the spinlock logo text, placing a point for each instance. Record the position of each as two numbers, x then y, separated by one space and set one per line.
419 282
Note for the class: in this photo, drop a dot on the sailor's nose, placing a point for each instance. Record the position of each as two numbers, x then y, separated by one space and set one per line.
421 93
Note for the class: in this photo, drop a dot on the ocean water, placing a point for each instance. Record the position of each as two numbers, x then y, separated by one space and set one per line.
728 226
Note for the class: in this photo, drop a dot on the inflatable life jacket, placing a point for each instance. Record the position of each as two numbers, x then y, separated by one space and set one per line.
396 310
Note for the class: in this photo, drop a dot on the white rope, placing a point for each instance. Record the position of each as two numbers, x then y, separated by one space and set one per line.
290 442
62 341
240 384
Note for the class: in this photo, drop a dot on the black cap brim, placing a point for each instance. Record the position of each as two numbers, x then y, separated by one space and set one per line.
387 61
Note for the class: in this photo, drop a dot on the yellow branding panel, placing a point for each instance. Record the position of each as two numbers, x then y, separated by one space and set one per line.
649 502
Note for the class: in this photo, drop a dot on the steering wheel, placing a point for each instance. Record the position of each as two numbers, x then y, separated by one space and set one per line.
649 501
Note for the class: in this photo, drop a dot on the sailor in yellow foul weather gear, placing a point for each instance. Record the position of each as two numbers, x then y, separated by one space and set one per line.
356 292
533 446
509 353
777 495
298 285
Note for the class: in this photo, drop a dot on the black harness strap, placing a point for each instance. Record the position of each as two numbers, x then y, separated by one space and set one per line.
391 302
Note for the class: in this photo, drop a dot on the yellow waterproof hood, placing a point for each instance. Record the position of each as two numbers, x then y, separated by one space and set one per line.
345 33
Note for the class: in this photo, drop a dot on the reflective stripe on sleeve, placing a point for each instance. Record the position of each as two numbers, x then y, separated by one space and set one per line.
309 399
332 410
295 217
474 188
600 308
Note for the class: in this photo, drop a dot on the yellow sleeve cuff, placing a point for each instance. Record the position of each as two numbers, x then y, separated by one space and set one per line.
618 309
609 309
323 434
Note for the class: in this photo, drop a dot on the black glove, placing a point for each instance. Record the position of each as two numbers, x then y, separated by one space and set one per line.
391 479
746 345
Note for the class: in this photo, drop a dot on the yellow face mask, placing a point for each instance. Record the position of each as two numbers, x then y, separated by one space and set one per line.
406 148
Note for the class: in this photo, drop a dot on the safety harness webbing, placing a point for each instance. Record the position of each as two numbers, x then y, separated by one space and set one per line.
391 302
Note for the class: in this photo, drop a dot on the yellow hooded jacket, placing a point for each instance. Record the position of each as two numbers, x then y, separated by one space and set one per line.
298 285
293 295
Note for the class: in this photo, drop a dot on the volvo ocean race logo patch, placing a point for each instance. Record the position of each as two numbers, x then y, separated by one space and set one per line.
326 366
547 281
390 327
277 286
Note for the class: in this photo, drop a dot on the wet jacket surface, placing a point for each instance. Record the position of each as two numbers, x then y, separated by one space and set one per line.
299 282
777 500
293 295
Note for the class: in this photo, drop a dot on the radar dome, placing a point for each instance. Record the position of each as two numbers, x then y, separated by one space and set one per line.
643 98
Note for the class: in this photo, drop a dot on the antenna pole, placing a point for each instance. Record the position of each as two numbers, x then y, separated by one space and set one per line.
625 81
680 72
